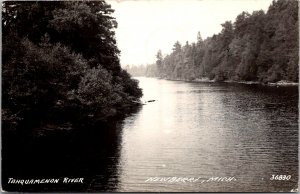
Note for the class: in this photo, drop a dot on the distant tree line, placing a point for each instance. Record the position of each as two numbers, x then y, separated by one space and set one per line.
256 47
62 55
149 70
136 70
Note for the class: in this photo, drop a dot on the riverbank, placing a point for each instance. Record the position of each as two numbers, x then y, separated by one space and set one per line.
63 118
207 80
279 83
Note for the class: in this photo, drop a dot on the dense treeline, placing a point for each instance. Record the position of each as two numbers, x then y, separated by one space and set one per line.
136 70
149 70
62 55
256 47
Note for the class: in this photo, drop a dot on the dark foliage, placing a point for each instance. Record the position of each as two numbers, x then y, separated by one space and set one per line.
259 47
62 55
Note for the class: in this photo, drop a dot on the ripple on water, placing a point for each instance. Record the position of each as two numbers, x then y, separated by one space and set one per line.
207 130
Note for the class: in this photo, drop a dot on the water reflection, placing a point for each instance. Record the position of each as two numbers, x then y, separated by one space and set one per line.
88 152
211 129
191 130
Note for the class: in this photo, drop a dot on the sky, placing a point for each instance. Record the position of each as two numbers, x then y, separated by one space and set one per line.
145 26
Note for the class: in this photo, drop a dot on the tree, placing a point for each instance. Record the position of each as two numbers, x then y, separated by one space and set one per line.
199 38
159 62
177 47
63 53
255 47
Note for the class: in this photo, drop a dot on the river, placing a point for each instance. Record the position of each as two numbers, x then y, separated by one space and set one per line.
191 130
208 130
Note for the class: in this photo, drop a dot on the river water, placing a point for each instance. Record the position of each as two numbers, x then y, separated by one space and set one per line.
191 130
209 130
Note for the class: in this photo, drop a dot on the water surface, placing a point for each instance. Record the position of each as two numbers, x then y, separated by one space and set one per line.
204 130
211 130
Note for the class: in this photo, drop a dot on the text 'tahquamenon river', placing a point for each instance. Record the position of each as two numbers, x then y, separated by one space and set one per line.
209 137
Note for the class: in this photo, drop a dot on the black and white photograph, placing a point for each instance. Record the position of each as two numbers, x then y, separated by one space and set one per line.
150 96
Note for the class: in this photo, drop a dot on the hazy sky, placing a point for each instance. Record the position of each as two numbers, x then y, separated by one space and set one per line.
145 26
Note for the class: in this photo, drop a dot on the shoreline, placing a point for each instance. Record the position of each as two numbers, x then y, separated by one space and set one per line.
206 80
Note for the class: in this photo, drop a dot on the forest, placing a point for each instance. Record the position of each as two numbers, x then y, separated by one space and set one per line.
261 47
61 57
